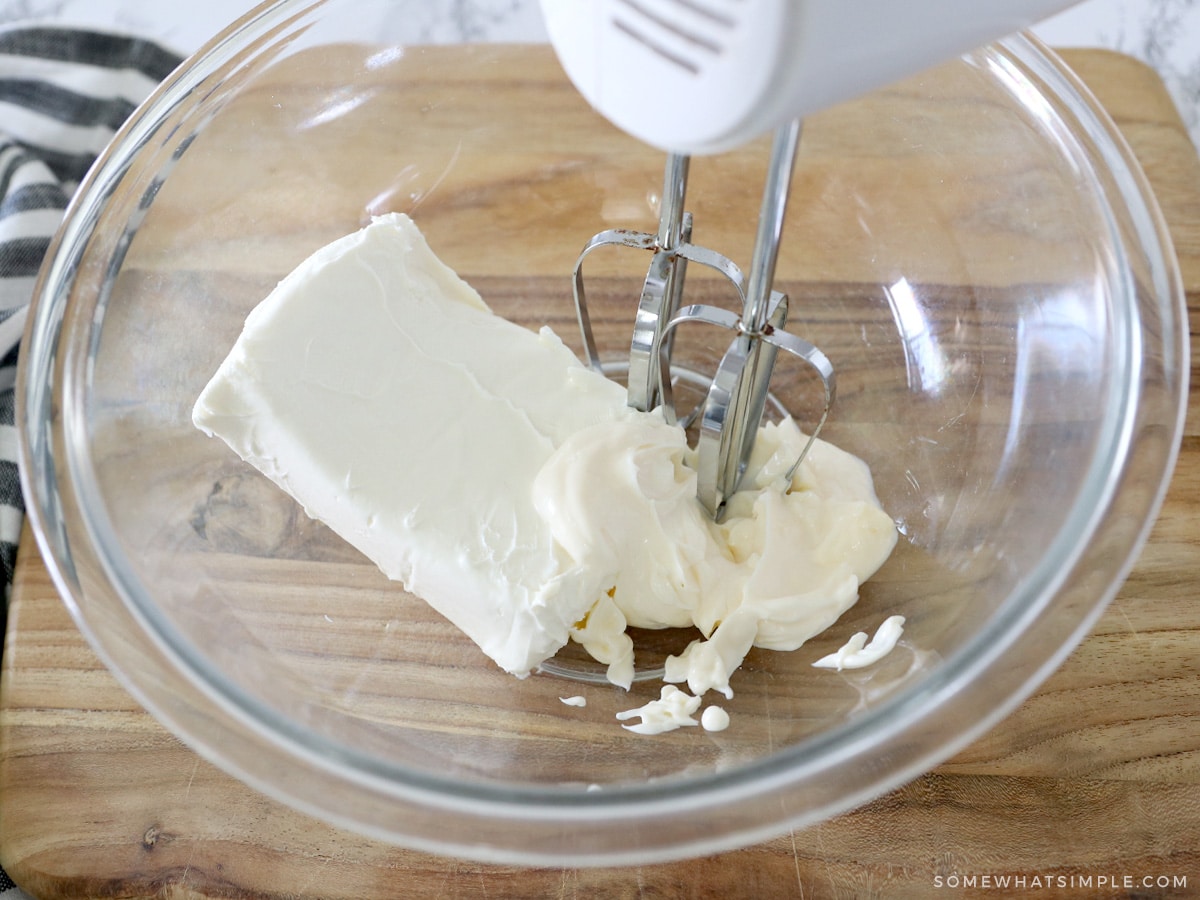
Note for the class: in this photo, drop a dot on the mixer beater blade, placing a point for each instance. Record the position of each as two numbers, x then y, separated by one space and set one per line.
733 406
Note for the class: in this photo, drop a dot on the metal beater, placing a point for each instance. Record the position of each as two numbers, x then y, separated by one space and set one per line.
729 415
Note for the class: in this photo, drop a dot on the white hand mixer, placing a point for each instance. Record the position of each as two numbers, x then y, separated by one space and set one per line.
704 76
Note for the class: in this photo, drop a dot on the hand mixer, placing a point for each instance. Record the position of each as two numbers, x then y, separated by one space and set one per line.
703 76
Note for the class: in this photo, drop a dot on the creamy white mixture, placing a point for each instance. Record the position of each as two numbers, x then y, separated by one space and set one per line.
484 467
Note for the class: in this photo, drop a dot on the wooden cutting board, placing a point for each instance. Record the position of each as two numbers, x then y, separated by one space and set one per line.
1091 787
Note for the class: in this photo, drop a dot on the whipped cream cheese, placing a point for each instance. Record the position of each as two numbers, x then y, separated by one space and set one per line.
782 566
512 488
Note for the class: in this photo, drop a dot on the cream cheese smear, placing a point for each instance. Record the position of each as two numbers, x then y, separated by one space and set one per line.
482 465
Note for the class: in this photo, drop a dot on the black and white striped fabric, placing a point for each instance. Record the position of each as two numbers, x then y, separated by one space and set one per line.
63 94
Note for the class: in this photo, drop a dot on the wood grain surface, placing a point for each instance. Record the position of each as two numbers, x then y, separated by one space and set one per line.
1088 788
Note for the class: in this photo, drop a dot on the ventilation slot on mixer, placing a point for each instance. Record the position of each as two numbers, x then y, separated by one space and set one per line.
684 33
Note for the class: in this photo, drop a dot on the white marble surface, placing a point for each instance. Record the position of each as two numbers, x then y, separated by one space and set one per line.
1164 33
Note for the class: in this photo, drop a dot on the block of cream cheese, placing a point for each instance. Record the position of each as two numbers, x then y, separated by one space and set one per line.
377 389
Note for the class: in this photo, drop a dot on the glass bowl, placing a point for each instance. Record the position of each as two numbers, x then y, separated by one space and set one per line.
974 249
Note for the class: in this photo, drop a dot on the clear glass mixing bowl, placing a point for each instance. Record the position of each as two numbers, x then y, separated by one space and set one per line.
974 249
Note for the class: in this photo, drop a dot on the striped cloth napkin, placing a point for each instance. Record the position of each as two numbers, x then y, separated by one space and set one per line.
63 94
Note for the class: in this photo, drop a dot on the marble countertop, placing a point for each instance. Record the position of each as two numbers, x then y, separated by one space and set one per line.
1163 33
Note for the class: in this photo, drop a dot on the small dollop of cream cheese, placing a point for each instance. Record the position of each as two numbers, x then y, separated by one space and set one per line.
856 653
673 709
714 718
